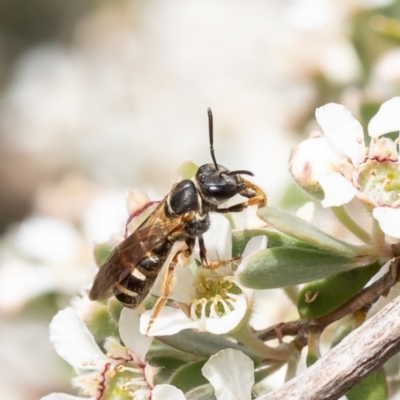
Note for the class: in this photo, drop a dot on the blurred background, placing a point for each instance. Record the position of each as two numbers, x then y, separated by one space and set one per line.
97 97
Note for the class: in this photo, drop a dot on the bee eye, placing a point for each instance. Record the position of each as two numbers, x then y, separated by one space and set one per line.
202 178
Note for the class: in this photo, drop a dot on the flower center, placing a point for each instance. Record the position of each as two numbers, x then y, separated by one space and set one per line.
380 182
216 297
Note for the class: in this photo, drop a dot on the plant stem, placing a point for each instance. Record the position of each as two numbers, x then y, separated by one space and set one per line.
344 218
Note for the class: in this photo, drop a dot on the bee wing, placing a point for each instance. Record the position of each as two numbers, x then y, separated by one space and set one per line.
124 258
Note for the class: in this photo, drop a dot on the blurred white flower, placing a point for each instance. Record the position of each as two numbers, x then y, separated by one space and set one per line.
339 163
122 369
211 300
41 255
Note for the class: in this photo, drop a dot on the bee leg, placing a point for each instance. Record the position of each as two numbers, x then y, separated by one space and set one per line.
255 195
168 284
211 264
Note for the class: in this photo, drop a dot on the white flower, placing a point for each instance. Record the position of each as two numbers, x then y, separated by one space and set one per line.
339 163
211 300
121 369
46 254
231 373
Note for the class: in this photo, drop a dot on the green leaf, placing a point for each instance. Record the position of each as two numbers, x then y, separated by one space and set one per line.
303 231
205 392
373 387
114 308
167 367
275 239
286 266
187 170
189 376
331 293
100 323
203 344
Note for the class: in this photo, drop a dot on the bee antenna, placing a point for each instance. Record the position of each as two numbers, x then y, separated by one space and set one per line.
238 172
210 131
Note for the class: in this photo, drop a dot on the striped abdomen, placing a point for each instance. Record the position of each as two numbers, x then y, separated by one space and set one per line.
136 286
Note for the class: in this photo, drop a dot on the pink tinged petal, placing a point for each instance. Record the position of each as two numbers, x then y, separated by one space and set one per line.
338 190
167 392
313 157
218 238
224 324
130 335
343 130
389 220
387 119
168 322
383 149
231 373
73 341
61 396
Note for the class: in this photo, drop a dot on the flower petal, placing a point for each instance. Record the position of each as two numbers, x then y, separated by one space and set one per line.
337 189
168 322
130 335
218 238
167 392
183 290
60 396
389 220
73 341
231 373
229 321
342 129
387 119
254 244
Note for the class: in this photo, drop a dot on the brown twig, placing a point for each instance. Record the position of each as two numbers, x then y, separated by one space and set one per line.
358 354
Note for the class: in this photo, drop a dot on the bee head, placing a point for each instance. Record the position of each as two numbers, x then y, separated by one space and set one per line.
215 181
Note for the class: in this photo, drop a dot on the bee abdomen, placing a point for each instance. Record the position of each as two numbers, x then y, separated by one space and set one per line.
132 290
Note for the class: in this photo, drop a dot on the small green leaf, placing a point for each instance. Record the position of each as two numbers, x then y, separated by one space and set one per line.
275 239
330 293
373 387
187 170
100 323
114 308
101 253
189 376
204 392
203 344
285 266
303 231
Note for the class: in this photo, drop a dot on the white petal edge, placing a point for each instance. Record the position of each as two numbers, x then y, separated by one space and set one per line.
61 396
254 244
168 322
389 220
343 130
387 119
337 189
131 336
231 373
229 321
167 392
73 341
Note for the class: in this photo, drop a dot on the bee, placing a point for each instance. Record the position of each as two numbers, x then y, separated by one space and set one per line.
182 215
